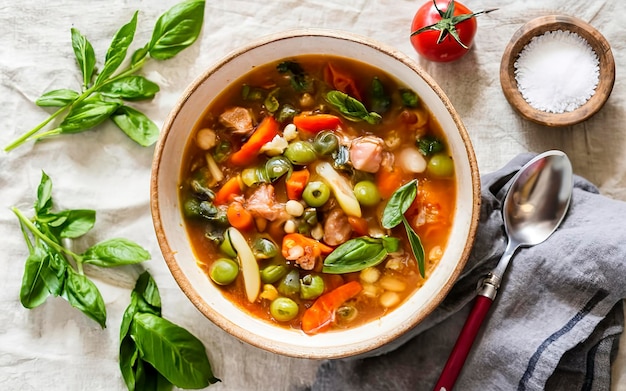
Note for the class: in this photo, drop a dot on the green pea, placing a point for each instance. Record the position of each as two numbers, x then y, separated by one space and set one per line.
300 153
223 271
367 193
272 273
290 284
284 309
316 193
441 165
311 287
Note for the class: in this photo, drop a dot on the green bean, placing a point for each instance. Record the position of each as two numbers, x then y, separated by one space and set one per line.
300 153
284 309
272 273
311 287
316 193
347 313
440 165
264 248
223 271
367 193
227 247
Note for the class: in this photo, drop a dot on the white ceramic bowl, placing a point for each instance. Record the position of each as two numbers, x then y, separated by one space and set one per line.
172 237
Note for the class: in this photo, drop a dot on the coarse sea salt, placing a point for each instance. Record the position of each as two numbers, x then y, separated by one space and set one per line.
557 71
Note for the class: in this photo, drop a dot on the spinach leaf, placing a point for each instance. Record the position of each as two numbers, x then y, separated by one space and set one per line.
88 113
118 48
173 351
429 145
351 108
83 295
34 291
398 204
355 255
176 29
380 100
85 56
136 125
416 246
115 252
57 98
130 88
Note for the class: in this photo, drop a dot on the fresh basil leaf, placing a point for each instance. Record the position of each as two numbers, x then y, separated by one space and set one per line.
176 29
117 50
380 100
351 108
55 272
416 247
73 223
34 290
130 88
85 56
128 356
147 288
398 204
83 295
136 125
57 98
173 351
115 252
88 113
355 255
139 55
149 379
43 204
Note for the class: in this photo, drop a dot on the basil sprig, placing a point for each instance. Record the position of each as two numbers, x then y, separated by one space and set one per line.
52 269
103 95
393 215
156 354
359 253
351 108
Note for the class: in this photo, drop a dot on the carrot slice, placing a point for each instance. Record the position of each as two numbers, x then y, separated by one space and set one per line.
314 123
321 314
359 225
388 180
292 240
239 217
230 189
296 183
264 133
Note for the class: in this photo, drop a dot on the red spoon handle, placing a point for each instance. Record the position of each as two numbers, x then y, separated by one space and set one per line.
463 344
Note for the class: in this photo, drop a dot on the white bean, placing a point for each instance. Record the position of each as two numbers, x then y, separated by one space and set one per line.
392 284
411 160
294 208
290 226
369 275
389 299
206 138
317 232
290 132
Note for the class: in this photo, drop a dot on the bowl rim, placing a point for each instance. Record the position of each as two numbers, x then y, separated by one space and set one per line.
539 26
239 331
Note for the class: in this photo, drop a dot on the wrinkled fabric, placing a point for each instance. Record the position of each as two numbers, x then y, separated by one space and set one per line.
554 325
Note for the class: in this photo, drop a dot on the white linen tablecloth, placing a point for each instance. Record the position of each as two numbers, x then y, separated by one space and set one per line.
55 347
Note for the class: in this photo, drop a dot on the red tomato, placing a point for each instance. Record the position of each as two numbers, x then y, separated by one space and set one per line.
436 21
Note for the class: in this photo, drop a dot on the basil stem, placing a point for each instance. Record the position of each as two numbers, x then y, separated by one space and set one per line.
53 269
99 100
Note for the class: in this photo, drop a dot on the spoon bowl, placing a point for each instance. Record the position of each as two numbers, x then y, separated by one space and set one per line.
533 209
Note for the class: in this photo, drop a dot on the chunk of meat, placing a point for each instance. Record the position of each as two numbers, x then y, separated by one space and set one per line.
304 257
238 119
337 229
366 153
262 203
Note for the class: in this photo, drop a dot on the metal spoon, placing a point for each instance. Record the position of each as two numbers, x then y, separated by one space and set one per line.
534 207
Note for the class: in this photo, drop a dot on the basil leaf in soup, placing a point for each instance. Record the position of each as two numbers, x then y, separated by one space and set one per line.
351 108
416 247
398 204
355 255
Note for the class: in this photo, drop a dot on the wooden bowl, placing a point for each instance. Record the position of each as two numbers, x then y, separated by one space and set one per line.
537 27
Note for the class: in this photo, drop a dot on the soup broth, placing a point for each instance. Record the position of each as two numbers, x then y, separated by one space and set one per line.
293 180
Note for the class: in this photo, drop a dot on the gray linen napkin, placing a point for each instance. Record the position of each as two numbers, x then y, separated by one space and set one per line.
556 321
